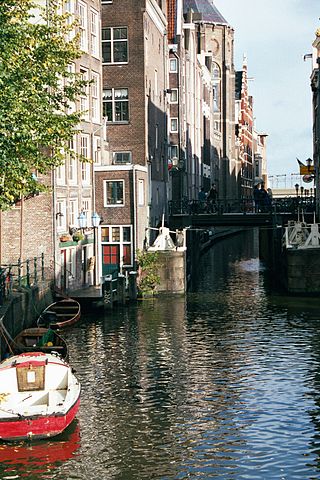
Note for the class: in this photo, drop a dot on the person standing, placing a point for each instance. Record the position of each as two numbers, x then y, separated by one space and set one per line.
212 198
202 199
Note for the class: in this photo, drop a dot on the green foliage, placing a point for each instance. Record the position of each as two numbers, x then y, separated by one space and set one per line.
77 236
36 89
149 265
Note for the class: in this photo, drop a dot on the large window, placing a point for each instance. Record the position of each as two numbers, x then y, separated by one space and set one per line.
61 222
83 22
94 33
85 152
116 246
95 100
84 98
116 104
114 193
115 45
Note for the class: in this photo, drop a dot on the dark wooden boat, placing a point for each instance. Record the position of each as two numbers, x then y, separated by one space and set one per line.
60 314
39 339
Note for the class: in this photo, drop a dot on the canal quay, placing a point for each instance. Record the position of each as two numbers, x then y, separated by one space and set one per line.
220 383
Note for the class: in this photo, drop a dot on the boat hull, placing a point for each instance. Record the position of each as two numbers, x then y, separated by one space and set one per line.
37 427
39 396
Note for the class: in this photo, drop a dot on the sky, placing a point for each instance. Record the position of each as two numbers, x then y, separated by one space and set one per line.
275 35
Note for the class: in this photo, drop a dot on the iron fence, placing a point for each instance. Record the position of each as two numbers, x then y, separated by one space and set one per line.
21 274
245 205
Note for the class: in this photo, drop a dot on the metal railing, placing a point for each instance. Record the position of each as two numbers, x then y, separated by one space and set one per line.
21 274
245 205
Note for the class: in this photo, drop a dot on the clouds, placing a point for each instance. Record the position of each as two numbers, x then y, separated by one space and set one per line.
275 35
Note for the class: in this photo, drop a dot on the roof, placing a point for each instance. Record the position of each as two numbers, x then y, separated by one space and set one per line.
210 13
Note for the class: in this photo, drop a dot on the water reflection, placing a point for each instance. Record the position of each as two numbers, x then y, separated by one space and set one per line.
223 383
38 459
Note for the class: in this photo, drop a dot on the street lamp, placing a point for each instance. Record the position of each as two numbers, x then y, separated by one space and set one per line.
82 219
297 188
95 223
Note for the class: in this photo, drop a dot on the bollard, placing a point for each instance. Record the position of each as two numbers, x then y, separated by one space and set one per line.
121 289
133 286
107 293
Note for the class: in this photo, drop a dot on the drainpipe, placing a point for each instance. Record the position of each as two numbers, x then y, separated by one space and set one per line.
134 238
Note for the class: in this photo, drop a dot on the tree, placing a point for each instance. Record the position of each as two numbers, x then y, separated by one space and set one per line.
37 90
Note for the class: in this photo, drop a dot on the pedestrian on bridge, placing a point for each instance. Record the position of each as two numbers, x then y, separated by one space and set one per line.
212 199
202 197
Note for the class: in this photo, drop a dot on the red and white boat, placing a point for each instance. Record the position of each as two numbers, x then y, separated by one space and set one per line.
39 396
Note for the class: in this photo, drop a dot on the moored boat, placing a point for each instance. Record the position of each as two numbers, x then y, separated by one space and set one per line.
39 396
60 314
39 339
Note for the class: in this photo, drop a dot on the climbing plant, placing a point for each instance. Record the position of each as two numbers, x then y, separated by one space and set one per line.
148 278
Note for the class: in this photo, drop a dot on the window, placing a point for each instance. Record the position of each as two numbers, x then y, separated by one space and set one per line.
173 66
86 209
95 101
61 215
73 212
174 95
71 68
94 32
173 125
116 104
84 103
61 174
82 10
72 165
173 152
114 193
116 246
85 152
70 9
115 45
121 158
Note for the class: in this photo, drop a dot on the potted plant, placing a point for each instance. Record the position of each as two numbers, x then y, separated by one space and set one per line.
77 236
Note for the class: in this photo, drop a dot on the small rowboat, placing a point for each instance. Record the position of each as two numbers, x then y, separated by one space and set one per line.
39 396
60 314
39 339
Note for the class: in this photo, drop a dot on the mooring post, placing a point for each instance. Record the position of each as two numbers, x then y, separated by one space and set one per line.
133 285
107 293
121 289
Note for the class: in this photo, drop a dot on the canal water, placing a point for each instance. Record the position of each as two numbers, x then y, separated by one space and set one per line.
221 384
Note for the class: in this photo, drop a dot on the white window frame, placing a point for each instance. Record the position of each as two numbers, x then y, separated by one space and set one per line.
61 174
71 70
73 212
61 220
121 153
83 25
70 7
121 241
105 198
94 33
72 166
112 41
113 101
86 153
87 210
84 97
172 121
175 90
95 97
173 65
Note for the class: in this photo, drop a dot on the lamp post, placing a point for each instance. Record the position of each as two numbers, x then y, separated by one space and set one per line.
297 188
82 219
95 223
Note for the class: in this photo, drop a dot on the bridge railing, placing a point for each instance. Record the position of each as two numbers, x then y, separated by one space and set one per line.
246 205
